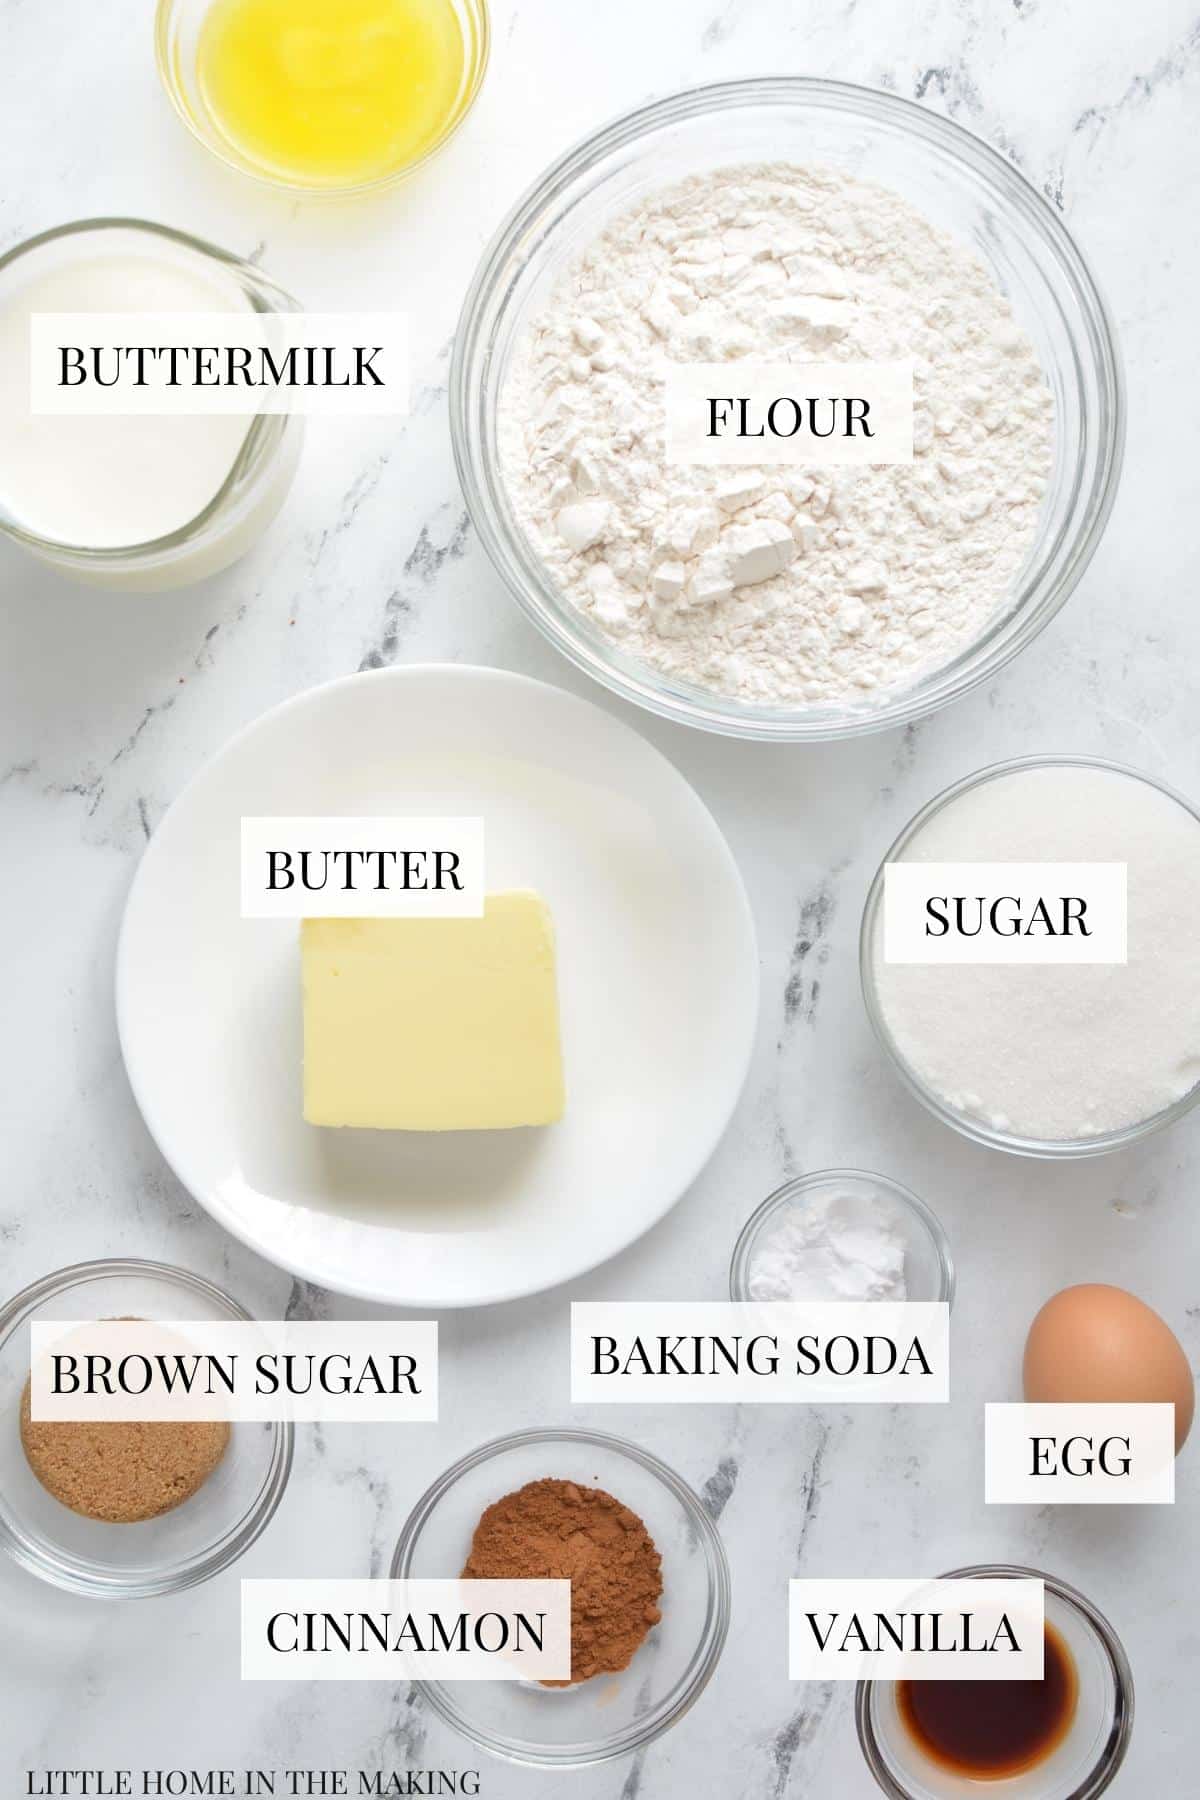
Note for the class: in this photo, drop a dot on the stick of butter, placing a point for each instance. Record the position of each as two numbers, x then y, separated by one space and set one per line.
433 1024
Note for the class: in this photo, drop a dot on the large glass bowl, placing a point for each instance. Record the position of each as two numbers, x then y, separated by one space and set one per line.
610 1715
960 184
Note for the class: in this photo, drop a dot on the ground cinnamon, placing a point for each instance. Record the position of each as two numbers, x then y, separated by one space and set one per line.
555 1529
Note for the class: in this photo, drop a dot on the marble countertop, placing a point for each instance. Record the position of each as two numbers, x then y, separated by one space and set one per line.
108 704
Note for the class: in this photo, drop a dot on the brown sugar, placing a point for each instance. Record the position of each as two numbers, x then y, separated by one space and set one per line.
558 1530
121 1471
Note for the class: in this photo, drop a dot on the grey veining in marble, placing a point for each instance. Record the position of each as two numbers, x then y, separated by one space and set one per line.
109 704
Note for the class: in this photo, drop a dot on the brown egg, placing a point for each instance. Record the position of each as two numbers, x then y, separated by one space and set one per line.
1100 1343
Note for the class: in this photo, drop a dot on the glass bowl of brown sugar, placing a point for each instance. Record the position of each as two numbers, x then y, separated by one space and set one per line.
616 1711
65 1515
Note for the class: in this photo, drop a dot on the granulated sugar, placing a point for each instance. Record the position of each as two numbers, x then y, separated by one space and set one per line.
1058 1051
874 575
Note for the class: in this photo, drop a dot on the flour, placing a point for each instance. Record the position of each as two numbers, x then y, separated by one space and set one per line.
777 586
834 1247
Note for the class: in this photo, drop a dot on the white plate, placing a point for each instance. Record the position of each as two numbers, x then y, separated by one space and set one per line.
658 979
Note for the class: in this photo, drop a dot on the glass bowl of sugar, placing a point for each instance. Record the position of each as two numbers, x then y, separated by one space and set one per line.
809 222
842 1234
1052 1059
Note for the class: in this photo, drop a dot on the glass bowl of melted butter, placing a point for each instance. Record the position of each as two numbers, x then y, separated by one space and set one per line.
323 96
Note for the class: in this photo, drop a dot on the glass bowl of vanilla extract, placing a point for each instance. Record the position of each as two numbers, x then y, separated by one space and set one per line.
1061 1738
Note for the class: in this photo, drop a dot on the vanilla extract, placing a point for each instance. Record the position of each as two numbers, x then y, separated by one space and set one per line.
992 1729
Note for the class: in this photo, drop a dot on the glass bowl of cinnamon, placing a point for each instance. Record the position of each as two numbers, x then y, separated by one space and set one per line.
632 1536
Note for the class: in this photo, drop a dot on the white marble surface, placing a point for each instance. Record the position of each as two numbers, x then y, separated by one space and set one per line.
109 704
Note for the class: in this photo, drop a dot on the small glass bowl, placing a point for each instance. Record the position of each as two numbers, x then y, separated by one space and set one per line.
869 941
154 1556
610 1715
177 27
966 189
258 481
1081 1767
928 1264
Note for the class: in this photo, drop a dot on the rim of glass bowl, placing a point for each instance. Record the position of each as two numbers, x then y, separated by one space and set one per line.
70 1572
533 220
739 1271
704 1658
480 19
260 446
1112 1754
976 1129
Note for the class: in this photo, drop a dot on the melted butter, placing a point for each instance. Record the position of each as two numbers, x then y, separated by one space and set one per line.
331 93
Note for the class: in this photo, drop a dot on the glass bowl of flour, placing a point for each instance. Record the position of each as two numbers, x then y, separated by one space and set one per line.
805 222
1052 1058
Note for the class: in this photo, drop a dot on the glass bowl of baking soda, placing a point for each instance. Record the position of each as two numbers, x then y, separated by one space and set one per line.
842 1234
807 222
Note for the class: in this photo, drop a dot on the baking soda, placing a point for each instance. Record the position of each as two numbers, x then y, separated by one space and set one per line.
833 1246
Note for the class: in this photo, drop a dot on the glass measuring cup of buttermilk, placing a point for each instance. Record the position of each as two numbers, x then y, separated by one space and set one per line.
138 503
